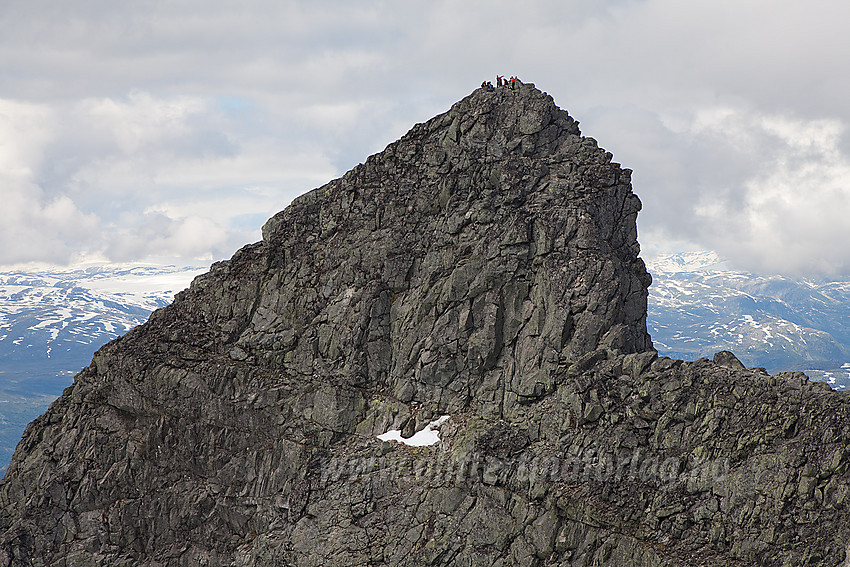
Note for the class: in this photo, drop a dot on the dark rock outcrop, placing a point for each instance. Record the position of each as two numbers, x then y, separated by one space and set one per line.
485 267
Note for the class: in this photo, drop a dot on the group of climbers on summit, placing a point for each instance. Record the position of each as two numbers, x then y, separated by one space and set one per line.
501 81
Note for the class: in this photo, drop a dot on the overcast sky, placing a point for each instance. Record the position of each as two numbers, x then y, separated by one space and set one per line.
133 131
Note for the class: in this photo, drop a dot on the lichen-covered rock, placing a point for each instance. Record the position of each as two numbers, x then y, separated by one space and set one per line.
485 267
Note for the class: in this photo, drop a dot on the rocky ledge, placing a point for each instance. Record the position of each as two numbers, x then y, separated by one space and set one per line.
484 267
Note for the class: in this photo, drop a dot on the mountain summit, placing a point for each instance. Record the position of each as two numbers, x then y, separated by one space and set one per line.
473 292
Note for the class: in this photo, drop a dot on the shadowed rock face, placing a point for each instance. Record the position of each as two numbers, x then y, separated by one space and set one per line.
460 266
486 267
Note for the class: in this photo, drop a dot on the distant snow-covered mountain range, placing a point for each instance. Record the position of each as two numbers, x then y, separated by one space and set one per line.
54 314
52 321
698 306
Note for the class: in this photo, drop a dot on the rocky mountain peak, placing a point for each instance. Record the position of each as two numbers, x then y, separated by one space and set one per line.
467 260
479 277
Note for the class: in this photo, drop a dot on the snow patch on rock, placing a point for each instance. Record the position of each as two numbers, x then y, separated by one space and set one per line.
427 436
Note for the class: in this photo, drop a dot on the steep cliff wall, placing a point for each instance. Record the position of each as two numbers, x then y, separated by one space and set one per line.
485 267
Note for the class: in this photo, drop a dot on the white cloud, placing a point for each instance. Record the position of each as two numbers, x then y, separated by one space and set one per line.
156 234
141 121
138 176
775 201
23 131
35 226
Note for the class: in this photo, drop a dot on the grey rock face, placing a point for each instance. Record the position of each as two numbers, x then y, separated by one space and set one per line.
462 264
485 267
